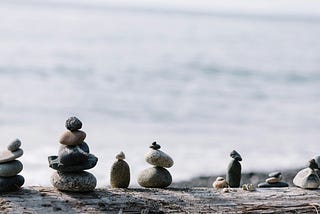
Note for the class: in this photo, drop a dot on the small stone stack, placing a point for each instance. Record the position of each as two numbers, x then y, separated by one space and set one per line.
234 170
274 180
120 172
73 158
10 168
308 178
157 176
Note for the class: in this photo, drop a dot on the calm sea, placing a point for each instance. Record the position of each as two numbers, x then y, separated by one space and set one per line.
199 83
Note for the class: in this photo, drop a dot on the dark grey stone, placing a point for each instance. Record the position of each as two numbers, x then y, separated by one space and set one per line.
120 174
155 146
276 174
155 177
74 181
8 184
11 168
234 174
84 146
15 145
72 155
54 163
73 124
235 155
278 184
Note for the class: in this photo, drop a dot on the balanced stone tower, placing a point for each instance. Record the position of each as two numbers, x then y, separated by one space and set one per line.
274 180
234 170
10 167
157 176
308 178
73 158
120 172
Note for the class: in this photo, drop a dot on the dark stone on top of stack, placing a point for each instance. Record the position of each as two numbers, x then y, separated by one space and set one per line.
73 124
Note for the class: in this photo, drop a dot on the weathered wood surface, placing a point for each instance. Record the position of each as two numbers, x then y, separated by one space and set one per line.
170 200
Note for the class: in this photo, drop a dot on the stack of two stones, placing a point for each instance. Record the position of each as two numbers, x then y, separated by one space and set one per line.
10 167
157 176
73 158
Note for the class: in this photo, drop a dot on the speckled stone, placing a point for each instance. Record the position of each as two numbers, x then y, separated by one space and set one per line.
54 163
220 183
234 174
72 138
13 183
120 174
277 185
155 177
15 145
74 181
72 155
6 156
307 179
11 168
158 158
84 146
73 124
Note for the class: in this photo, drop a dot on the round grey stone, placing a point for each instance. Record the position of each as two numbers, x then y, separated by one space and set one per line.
74 181
120 174
11 168
8 184
158 158
73 124
155 177
15 145
6 156
307 179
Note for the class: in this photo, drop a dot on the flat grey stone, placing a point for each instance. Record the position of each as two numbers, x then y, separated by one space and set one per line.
15 145
72 155
155 177
276 174
6 156
120 174
158 158
55 163
11 168
8 184
74 181
278 184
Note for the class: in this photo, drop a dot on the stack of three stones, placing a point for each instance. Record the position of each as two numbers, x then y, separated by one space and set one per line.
73 158
10 167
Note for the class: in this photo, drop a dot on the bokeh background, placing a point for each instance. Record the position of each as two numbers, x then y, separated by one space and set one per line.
199 77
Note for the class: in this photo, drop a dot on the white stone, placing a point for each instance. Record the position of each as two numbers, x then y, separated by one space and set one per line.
307 179
158 158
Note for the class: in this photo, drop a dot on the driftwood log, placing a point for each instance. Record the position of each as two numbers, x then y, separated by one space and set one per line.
171 200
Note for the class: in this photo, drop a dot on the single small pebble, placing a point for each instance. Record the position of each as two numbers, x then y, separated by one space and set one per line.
15 145
73 124
220 183
249 187
227 190
273 180
155 146
120 156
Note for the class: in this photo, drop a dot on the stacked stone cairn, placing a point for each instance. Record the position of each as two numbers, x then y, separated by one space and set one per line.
308 178
10 168
157 176
234 170
274 180
120 172
73 158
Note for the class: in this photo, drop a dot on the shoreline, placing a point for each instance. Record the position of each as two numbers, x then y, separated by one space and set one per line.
252 177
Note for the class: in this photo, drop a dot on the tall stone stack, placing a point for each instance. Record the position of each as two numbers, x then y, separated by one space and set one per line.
10 167
73 158
234 170
157 176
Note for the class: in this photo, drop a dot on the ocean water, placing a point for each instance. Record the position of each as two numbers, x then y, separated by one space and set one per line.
199 82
